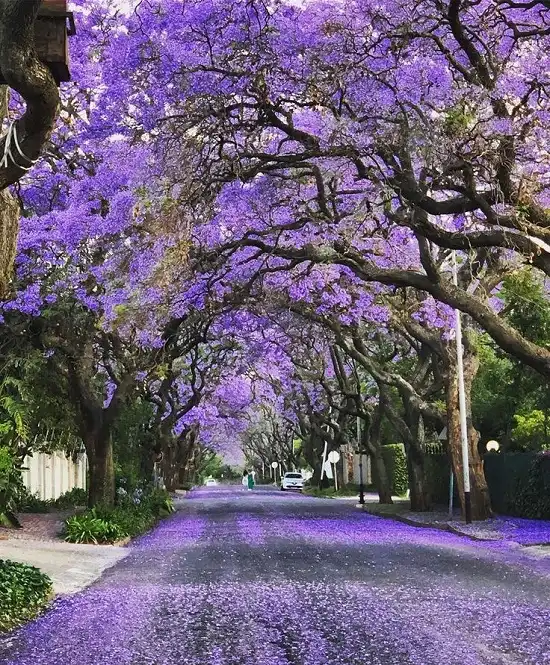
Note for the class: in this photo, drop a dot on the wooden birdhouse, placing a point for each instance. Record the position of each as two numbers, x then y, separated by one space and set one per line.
53 26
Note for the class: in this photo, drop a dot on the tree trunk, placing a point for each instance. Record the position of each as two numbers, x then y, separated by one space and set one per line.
481 507
170 470
372 444
420 495
418 483
9 230
383 485
102 471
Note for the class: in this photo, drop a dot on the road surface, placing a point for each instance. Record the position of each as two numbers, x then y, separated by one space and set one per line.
265 578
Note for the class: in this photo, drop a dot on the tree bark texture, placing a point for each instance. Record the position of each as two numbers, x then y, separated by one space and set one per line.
102 470
24 73
481 506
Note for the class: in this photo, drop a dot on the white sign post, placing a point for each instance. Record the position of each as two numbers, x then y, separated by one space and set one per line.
275 466
334 458
323 462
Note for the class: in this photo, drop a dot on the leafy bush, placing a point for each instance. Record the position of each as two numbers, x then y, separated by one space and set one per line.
158 502
24 593
72 499
31 503
132 516
530 430
89 528
10 487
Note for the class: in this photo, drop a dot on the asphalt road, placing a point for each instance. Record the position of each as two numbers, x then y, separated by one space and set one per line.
265 578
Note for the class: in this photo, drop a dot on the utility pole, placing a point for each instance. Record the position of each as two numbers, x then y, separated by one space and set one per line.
360 449
462 405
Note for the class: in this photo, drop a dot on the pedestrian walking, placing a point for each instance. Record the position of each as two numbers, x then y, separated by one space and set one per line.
244 481
250 481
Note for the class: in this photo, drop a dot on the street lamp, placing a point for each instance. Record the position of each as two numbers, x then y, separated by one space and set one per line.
360 449
492 446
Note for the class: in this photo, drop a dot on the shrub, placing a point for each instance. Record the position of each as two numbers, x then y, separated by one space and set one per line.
31 503
72 499
133 516
24 593
158 502
10 487
89 528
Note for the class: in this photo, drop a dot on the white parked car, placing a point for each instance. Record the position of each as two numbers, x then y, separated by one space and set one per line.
211 482
292 480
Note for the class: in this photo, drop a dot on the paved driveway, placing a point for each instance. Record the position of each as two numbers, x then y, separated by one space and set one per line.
266 578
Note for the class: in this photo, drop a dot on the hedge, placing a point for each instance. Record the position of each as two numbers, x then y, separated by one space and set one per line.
519 483
395 461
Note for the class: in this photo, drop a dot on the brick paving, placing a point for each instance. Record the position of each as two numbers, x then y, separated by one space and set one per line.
37 526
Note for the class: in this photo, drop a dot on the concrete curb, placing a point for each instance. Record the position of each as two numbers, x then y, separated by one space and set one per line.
449 528
408 521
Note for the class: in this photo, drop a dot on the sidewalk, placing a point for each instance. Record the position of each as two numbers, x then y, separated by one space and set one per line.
517 530
71 567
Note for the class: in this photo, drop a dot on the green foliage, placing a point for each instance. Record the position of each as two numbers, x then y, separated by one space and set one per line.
72 499
90 528
395 460
526 305
133 443
225 472
24 593
329 492
504 387
32 503
135 514
10 486
531 430
210 467
457 120
14 427
519 484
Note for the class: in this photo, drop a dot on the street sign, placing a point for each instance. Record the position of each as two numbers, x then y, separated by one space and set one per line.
334 457
274 465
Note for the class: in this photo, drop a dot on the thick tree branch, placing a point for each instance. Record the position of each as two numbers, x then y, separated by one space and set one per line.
25 74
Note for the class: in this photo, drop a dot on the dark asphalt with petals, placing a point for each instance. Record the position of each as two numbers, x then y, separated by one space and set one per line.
266 578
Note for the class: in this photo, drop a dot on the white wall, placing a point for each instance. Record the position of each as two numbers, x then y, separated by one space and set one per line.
50 476
367 471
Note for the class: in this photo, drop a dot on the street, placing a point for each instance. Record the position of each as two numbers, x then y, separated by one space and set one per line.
266 578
